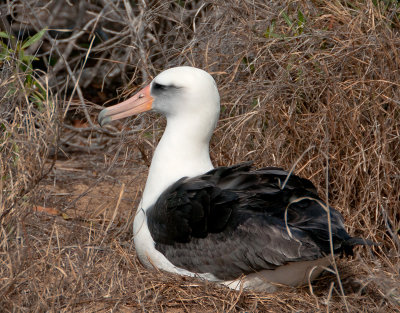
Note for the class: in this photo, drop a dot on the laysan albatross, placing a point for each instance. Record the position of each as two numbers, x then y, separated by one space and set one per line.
239 226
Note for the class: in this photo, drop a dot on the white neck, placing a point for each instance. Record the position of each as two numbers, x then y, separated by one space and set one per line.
182 151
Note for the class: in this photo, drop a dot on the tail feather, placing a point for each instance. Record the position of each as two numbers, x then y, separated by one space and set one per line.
347 247
354 241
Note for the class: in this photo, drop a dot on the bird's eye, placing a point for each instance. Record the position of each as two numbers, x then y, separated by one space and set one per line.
159 87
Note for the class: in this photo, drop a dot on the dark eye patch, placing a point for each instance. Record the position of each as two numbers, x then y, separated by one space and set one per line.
159 87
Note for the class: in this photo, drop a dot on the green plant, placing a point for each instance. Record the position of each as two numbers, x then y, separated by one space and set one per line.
23 61
295 28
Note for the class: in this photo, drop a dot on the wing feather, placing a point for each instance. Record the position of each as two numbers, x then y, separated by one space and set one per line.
235 220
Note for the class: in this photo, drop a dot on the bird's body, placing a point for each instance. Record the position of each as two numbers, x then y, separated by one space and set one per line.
235 225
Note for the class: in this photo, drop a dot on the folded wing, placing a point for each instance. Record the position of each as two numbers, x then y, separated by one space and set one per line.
235 220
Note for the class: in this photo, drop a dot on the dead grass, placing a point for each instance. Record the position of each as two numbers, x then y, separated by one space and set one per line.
320 76
29 132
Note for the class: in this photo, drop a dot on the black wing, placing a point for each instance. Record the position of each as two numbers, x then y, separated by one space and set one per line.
235 220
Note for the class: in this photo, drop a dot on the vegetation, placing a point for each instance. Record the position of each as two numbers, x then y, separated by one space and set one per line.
310 85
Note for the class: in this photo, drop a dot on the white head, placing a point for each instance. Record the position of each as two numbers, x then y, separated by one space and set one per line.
178 93
185 90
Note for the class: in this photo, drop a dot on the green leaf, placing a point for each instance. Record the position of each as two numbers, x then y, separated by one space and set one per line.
34 38
5 35
4 53
270 30
28 79
301 21
301 18
287 19
21 54
37 100
41 92
29 58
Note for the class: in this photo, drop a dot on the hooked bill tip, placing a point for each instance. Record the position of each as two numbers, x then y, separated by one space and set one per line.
103 119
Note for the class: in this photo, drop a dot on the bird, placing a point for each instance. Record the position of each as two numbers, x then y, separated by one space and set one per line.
242 227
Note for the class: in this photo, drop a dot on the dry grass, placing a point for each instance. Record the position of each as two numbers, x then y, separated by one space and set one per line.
318 78
29 132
